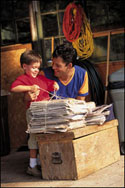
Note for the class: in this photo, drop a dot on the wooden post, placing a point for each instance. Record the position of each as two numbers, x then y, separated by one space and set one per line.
37 29
52 45
32 23
40 34
107 67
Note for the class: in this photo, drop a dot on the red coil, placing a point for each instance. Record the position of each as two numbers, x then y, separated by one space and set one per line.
72 21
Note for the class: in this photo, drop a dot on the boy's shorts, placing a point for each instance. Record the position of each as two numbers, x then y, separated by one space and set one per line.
32 143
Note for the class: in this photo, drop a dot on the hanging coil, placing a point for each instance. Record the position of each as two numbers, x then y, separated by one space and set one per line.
76 28
72 22
84 44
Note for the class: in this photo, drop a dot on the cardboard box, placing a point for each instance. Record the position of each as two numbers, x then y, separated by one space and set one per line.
79 152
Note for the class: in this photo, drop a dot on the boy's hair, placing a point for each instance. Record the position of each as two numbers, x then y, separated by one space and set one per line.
66 52
30 56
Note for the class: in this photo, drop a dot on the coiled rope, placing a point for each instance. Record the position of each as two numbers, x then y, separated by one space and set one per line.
72 22
84 44
76 29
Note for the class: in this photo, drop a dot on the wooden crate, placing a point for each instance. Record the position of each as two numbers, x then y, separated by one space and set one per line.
79 152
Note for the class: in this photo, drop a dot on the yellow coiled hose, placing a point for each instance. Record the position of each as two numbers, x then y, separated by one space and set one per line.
84 44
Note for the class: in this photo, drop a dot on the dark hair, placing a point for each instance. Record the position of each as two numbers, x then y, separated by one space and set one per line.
30 56
66 52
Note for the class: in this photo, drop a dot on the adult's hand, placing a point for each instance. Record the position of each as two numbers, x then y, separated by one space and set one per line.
80 98
56 86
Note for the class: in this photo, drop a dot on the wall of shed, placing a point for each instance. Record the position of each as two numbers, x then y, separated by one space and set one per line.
10 66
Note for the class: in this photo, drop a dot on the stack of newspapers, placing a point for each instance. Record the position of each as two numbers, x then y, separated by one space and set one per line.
56 115
97 115
62 115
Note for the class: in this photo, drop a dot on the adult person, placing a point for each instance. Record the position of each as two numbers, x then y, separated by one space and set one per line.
72 80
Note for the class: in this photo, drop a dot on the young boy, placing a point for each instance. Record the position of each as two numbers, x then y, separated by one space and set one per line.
39 86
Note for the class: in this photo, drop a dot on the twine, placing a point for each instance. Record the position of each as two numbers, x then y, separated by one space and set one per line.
53 95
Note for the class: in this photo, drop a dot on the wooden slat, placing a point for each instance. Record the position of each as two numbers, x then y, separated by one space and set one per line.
44 138
11 69
107 66
105 33
96 34
74 159
15 47
96 151
113 66
76 133
57 160
33 27
52 45
94 128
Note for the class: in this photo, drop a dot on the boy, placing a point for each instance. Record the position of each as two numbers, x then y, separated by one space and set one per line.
40 86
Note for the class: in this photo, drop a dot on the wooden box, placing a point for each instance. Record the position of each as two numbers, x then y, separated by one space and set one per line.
79 152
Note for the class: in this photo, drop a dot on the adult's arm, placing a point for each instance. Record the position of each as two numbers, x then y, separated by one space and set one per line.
80 98
83 92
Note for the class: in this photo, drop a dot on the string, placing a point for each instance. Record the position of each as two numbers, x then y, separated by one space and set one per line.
53 95
45 117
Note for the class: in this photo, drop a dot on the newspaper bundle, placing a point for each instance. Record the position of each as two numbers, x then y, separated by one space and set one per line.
62 115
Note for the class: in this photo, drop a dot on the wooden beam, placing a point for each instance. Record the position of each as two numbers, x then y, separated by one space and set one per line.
76 133
107 66
15 47
37 29
33 29
105 33
52 45
96 34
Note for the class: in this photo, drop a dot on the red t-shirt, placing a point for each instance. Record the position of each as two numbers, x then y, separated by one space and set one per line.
40 80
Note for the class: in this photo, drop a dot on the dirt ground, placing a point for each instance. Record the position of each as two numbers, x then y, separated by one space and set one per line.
13 174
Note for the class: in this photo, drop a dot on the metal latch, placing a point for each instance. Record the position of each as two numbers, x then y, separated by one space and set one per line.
56 158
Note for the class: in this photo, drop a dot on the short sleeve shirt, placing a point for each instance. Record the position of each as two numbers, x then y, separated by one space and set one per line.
78 85
44 83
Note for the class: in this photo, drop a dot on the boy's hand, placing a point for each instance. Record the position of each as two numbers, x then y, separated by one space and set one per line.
56 86
34 92
34 88
31 96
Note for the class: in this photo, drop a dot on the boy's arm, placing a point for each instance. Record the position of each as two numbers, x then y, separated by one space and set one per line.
21 88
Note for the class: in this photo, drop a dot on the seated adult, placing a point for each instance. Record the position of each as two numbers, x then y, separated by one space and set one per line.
72 80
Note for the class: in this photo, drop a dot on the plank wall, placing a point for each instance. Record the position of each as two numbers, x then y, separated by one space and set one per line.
113 66
10 66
